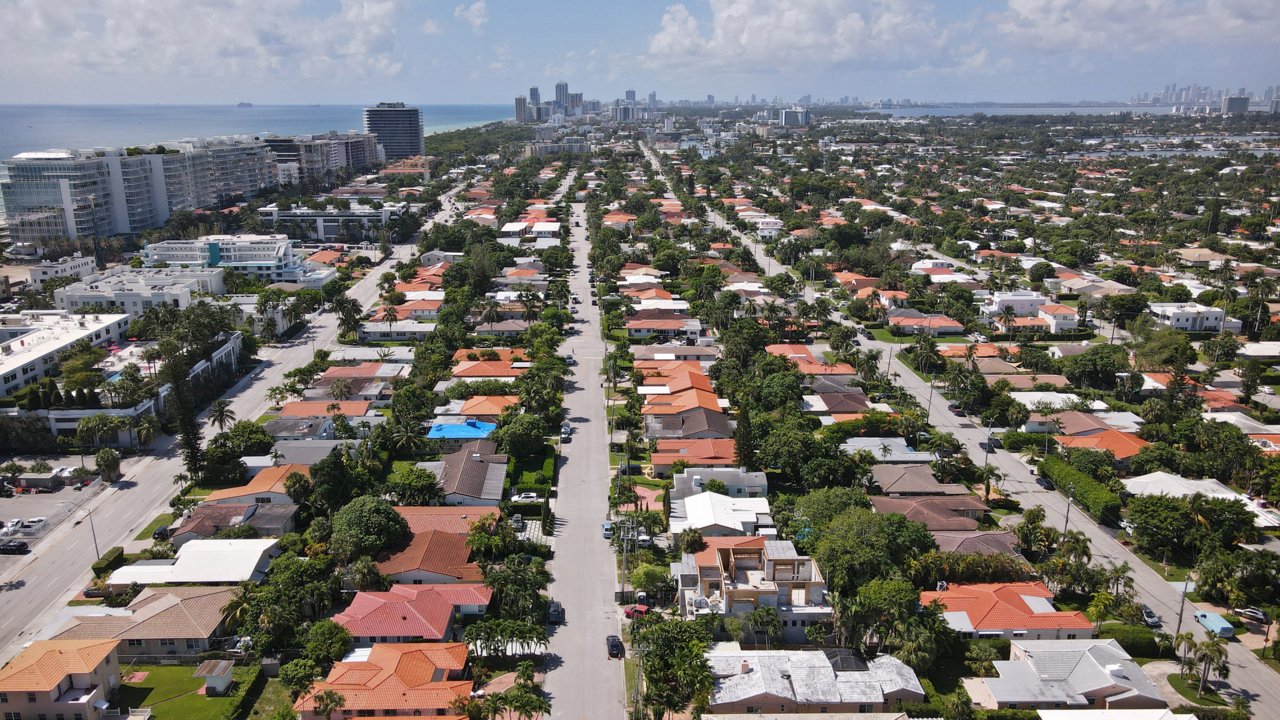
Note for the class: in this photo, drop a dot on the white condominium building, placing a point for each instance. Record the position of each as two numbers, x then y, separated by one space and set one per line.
323 225
31 342
70 266
1193 317
133 290
269 258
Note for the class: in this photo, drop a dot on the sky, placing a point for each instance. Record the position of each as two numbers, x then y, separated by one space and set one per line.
488 51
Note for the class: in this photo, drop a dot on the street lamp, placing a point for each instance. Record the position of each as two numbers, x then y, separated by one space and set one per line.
92 530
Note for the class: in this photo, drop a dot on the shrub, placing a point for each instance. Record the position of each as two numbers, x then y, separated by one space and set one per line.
1138 641
1016 440
1097 499
111 559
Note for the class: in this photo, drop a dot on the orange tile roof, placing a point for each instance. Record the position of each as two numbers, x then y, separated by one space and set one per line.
1054 309
504 354
363 370
316 408
438 552
958 350
268 480
1122 445
444 518
488 404
676 403
418 611
706 557
696 453
486 368
325 257
396 676
993 606
46 663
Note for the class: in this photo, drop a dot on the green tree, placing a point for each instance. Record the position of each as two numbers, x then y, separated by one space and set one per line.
108 464
522 436
652 579
328 702
980 659
415 486
327 642
366 525
297 675
221 414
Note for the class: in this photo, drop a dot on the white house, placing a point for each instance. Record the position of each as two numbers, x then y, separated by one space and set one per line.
1025 303
1061 318
1193 317
202 562
394 331
716 515
738 482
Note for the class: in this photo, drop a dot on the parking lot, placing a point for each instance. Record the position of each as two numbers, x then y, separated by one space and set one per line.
55 507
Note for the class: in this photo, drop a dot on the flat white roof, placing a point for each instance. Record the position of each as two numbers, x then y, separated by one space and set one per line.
47 331
202 561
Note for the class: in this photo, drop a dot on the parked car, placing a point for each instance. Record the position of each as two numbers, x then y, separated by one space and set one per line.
615 646
1215 624
34 523
13 547
555 613
161 533
987 446
570 360
517 522
636 611
606 530
643 541
1251 613
94 591
526 498
956 410
1150 618
1268 390
566 430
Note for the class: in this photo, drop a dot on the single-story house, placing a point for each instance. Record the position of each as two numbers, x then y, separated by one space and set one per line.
1020 611
1082 674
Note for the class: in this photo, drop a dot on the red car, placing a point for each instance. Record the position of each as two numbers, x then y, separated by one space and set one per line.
636 611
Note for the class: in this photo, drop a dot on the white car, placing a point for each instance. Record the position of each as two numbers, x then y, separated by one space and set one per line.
526 498
1268 390
35 522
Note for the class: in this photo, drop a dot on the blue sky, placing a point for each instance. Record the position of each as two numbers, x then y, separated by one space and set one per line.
487 51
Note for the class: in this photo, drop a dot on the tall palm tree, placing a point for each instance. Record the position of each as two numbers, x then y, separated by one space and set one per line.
108 463
221 414
340 389
237 608
491 312
1211 655
148 429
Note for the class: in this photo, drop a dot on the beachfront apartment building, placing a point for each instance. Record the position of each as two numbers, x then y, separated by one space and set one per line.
134 290
102 192
397 127
76 265
316 155
270 258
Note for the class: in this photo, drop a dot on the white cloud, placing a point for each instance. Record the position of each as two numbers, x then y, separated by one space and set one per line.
431 27
757 36
1134 24
476 14
199 38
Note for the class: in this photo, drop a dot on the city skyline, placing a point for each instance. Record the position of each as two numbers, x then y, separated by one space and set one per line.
370 50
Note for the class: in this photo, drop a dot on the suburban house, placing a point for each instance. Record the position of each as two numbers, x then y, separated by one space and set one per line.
1024 303
398 679
1060 318
474 475
487 408
1019 611
432 557
809 681
911 479
160 622
412 613
908 321
738 482
668 324
937 512
697 423
1193 317
202 562
1122 445
300 428
733 576
716 515
808 363
1066 674
977 542
61 678
888 449
317 408
719 452
443 518
268 486
450 437
207 520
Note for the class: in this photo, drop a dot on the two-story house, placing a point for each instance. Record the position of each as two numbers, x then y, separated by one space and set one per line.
69 679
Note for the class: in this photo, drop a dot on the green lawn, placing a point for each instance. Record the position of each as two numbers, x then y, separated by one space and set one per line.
274 697
399 467
1189 691
1268 660
84 602
171 693
631 672
1172 573
159 522
265 418
885 336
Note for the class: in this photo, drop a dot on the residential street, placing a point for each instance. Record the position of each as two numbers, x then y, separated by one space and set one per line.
39 586
1249 676
583 683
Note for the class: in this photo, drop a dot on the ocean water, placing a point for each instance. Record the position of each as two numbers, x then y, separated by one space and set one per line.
39 127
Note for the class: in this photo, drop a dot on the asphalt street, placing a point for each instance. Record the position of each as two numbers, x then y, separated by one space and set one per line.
1249 677
36 589
583 683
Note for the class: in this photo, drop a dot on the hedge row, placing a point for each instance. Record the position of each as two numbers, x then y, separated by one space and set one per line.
112 559
251 687
1138 641
1016 440
1092 495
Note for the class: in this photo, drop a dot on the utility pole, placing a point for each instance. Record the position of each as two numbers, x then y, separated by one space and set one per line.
1067 520
1182 604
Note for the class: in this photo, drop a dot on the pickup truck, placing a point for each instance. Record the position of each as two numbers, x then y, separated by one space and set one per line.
1215 624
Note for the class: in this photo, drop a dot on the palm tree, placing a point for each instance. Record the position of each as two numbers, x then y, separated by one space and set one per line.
221 414
491 312
340 389
108 464
328 702
1100 608
237 608
405 439
1007 314
1211 655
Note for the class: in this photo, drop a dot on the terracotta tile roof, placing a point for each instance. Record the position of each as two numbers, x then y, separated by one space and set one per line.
994 606
486 368
363 370
488 404
317 408
706 557
1122 445
268 480
1074 422
504 354
443 518
937 512
958 350
696 453
325 257
679 402
397 676
1054 309
437 552
46 663
419 611
1028 382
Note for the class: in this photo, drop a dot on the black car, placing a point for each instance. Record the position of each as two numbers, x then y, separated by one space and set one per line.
616 648
956 410
555 613
13 547
987 446
161 533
